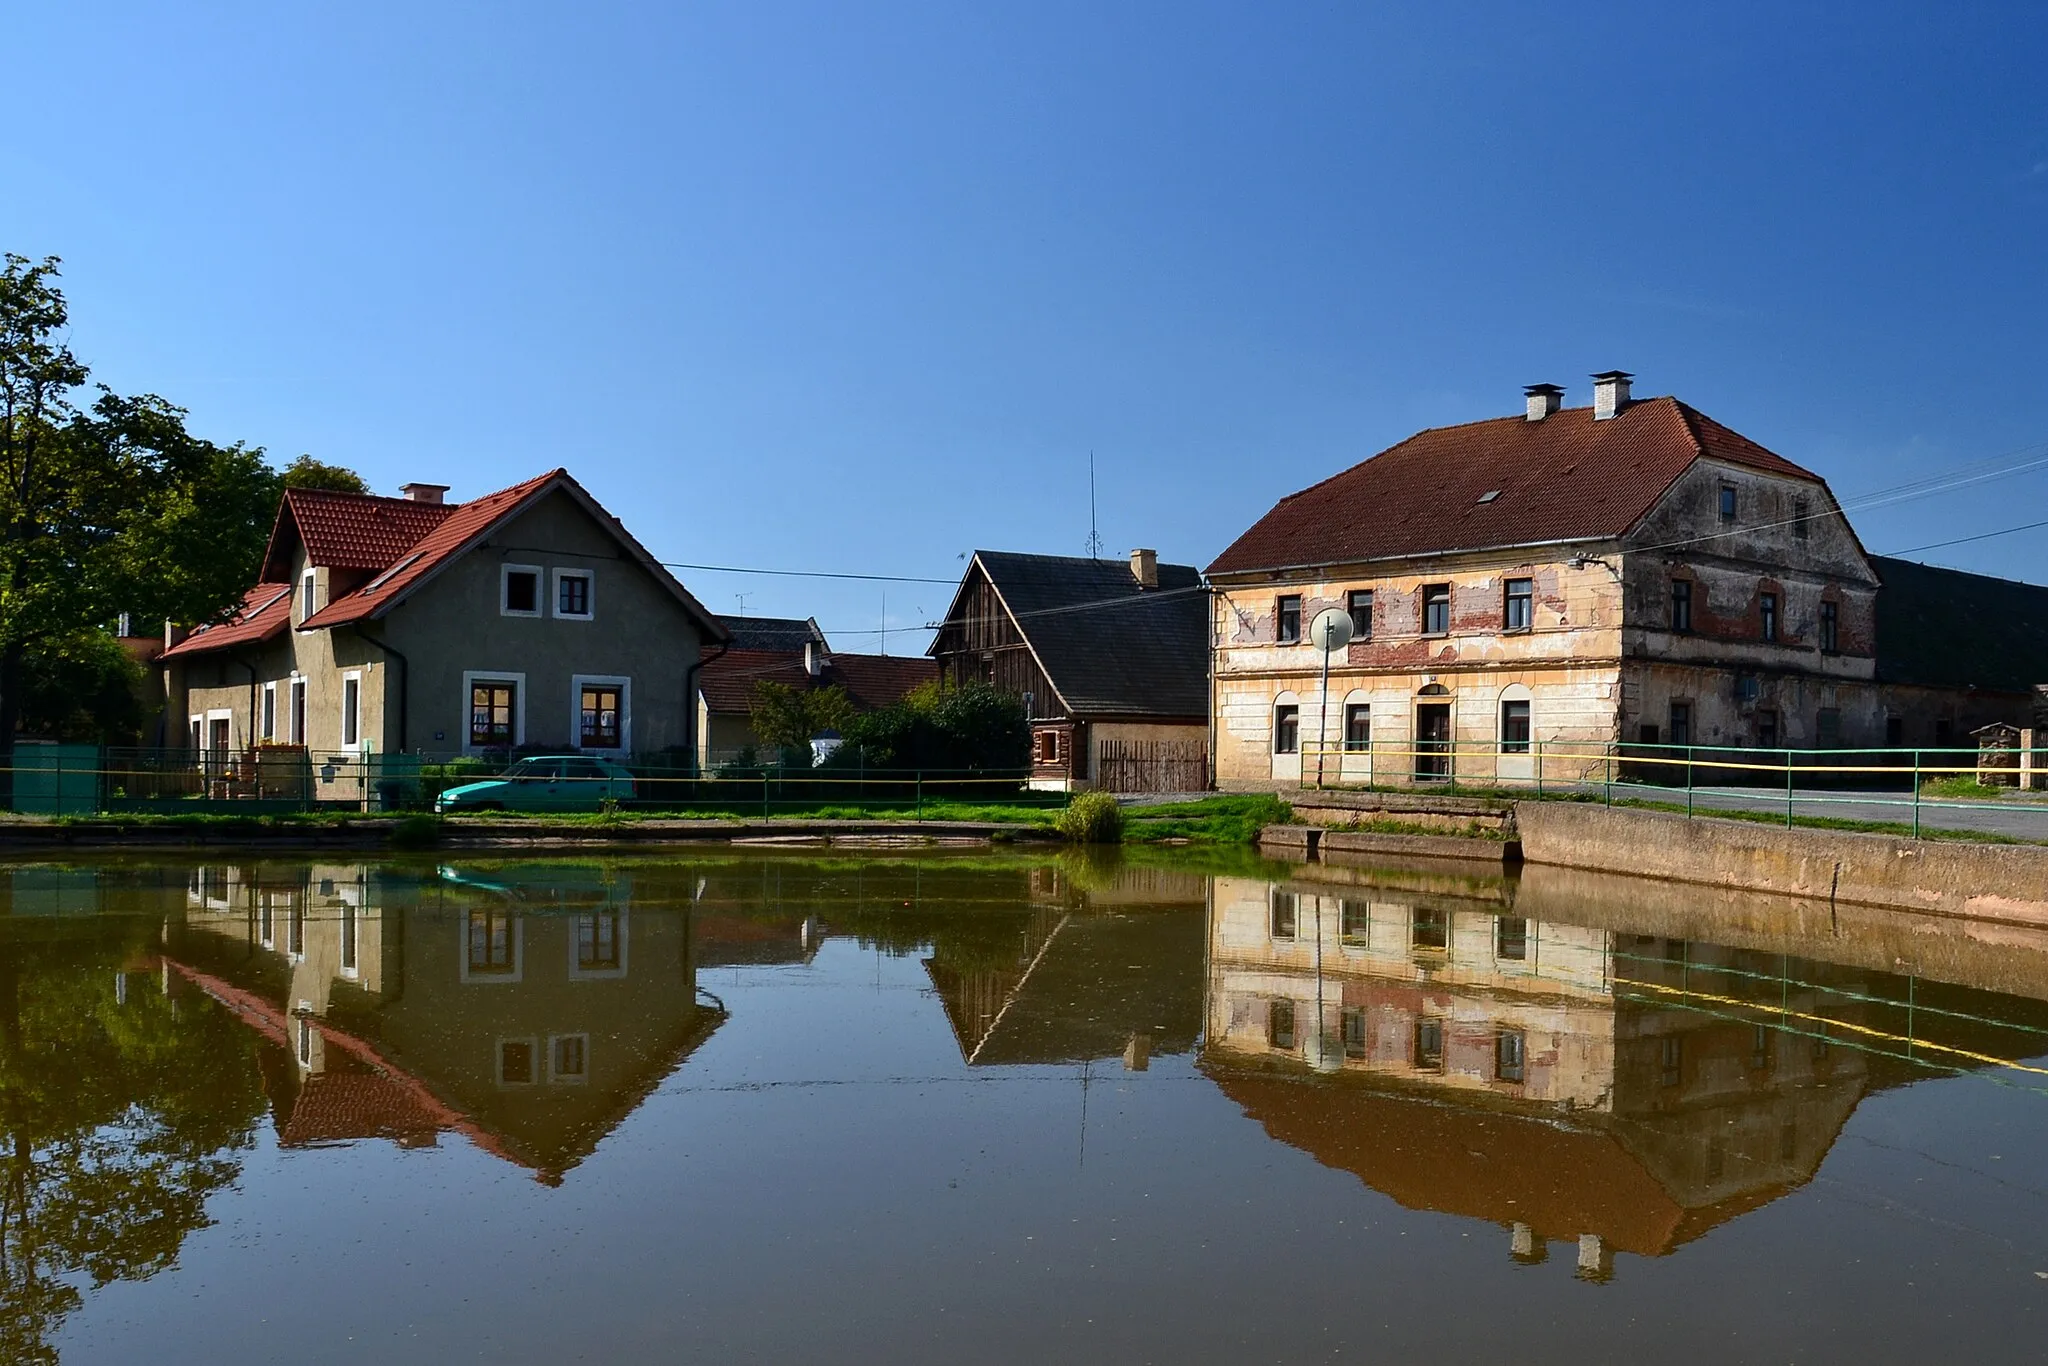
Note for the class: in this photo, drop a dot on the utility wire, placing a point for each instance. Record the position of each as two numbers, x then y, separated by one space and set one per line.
1965 540
800 573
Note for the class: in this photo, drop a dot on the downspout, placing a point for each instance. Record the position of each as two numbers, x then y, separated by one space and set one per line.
404 683
254 719
690 700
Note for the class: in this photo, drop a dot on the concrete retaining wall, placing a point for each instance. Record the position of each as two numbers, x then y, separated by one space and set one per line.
1988 881
1314 842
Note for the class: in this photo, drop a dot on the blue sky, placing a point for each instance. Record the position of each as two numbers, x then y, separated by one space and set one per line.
859 286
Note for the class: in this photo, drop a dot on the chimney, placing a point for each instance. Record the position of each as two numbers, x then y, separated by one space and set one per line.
1610 393
1145 568
814 658
1544 399
422 493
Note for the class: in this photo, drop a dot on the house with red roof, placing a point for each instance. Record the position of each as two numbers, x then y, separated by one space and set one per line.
795 654
525 618
1523 591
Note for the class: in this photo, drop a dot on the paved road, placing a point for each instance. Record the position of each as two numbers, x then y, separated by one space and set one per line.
2015 817
2018 818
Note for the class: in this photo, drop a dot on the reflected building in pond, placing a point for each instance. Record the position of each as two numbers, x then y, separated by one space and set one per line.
529 1011
1569 1083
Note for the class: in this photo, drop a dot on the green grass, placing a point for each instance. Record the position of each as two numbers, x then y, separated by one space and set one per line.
1230 819
1965 787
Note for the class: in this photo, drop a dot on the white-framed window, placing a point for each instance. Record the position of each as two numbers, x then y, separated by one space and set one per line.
568 1058
493 947
518 1062
352 710
519 590
307 594
298 716
268 729
494 710
601 712
575 596
597 945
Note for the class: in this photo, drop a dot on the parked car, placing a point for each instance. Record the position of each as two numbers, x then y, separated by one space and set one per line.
544 782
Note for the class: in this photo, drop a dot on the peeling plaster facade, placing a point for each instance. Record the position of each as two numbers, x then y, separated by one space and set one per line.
1779 648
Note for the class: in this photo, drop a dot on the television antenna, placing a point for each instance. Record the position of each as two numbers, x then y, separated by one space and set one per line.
1094 537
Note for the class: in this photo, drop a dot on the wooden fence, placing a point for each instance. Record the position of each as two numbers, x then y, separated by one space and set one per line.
1152 766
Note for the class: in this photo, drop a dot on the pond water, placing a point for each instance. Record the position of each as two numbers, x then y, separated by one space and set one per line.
766 1105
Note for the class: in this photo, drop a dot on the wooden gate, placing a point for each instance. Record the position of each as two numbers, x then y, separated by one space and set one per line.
1152 766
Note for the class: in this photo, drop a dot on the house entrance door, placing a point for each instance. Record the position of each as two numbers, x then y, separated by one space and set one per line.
1432 740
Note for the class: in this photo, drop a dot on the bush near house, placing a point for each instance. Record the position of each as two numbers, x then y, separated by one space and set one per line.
1091 818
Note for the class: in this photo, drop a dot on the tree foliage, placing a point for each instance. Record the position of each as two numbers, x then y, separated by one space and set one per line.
107 503
969 729
788 718
308 473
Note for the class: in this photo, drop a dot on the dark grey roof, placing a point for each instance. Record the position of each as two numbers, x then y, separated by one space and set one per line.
1946 628
1110 647
771 633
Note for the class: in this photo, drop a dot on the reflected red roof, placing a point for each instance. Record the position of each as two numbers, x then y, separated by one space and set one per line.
336 1107
265 612
1567 477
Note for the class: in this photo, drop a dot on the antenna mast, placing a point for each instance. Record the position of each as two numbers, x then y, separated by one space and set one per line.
1094 539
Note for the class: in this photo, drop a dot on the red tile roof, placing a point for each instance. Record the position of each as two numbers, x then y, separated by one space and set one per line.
348 530
461 525
265 612
1564 478
871 681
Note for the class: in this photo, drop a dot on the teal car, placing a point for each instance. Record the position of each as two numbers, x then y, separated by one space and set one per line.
545 782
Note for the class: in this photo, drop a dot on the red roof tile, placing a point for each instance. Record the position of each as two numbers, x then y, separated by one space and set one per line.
349 530
1567 477
265 612
462 527
871 681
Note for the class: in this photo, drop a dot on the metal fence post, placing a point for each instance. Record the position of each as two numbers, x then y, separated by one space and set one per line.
1916 794
1607 772
920 795
1539 768
1788 788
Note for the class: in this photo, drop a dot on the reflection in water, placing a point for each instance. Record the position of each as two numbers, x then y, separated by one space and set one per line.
1566 1059
1567 1082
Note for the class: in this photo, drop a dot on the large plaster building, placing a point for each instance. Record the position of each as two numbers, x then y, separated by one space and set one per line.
1530 589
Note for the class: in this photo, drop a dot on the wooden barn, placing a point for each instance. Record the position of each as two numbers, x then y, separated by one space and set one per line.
1111 660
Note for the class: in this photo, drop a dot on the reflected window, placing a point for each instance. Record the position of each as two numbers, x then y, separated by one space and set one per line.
1353 1021
1429 1045
295 929
1671 1061
1280 1024
1762 1048
305 1040
1286 914
492 944
1508 1054
1355 920
1511 938
266 921
1788 1141
600 939
515 1062
568 1057
1430 929
348 940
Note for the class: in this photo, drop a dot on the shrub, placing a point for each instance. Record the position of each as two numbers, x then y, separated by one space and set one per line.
1091 818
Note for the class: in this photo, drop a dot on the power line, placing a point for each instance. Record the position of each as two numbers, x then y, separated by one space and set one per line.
799 573
1965 540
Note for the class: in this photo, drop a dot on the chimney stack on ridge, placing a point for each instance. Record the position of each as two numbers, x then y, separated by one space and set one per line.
422 493
1544 399
1610 393
1145 568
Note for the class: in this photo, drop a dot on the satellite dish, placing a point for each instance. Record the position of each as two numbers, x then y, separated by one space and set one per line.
1331 630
